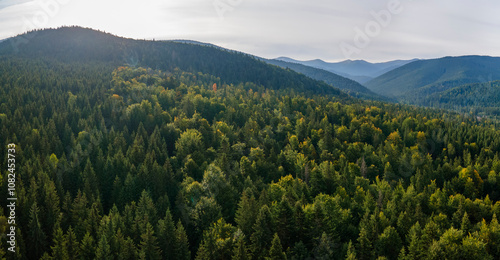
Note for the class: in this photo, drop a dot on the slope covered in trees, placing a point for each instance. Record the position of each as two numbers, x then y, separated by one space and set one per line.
75 44
350 86
142 163
436 75
479 99
123 162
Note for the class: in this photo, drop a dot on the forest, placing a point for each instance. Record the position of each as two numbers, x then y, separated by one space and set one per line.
132 162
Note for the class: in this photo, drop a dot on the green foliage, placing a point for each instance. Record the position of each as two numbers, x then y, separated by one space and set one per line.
152 164
276 250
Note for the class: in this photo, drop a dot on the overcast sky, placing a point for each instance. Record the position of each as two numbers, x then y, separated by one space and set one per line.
331 30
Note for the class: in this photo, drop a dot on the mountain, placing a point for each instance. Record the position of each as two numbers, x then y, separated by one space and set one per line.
81 45
483 99
358 70
119 161
425 77
347 85
350 86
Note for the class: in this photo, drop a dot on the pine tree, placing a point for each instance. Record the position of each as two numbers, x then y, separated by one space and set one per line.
465 225
181 243
148 248
494 238
263 230
240 251
276 250
365 250
59 249
416 249
351 252
246 213
166 235
126 247
90 182
35 234
285 223
72 244
87 248
389 243
324 249
103 250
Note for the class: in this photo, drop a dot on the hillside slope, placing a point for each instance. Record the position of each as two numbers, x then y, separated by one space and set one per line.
76 44
430 76
357 70
350 86
482 99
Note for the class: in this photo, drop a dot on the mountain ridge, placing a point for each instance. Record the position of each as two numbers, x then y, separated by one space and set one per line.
436 75
77 44
359 70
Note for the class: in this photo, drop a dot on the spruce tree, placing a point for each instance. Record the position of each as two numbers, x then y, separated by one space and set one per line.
87 248
103 250
276 250
148 248
166 235
35 234
181 243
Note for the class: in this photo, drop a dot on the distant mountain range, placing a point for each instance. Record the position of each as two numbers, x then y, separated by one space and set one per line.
458 83
347 85
82 45
425 77
358 70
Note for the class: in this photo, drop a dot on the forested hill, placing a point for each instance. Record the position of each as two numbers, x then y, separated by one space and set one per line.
424 77
75 44
168 161
481 99
350 86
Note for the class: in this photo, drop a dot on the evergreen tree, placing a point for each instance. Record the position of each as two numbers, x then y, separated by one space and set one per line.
246 213
166 235
35 234
351 252
87 248
59 249
324 249
181 243
263 228
103 250
72 244
148 248
276 250
240 251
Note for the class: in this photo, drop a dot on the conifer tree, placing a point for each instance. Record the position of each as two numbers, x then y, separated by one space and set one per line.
276 250
59 248
240 251
87 247
103 250
263 230
166 235
246 213
148 248
351 252
72 244
35 234
181 243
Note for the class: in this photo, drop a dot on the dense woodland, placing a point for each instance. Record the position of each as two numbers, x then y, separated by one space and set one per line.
479 99
142 164
130 162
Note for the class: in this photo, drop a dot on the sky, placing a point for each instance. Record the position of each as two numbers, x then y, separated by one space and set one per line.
331 30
